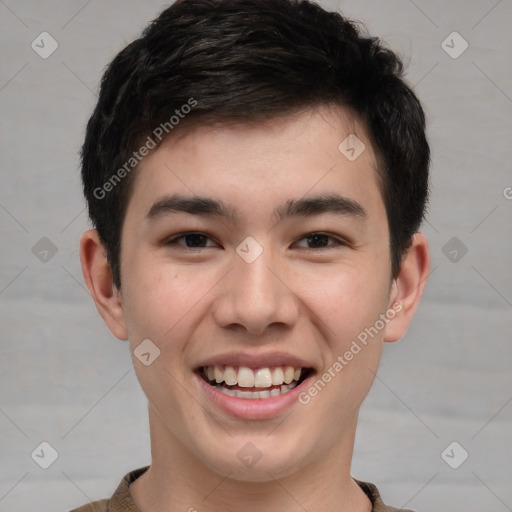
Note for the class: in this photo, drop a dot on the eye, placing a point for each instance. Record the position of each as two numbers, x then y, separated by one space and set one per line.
193 240
318 240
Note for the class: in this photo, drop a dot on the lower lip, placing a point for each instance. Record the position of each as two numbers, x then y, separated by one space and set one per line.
255 408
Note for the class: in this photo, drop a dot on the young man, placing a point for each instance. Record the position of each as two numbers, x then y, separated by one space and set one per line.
256 172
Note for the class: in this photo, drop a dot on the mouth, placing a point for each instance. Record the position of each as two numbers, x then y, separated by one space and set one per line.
254 383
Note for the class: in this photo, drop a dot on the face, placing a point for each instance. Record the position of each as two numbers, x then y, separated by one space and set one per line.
277 275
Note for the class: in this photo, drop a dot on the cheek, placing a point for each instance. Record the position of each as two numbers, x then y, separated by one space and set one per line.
166 305
347 302
351 307
157 301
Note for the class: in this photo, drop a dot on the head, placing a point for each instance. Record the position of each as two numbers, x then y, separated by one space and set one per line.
216 61
246 104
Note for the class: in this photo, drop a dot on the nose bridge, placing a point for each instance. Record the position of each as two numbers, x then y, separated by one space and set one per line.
253 295
255 278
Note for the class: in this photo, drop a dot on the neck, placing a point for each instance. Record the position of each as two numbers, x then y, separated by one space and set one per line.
178 481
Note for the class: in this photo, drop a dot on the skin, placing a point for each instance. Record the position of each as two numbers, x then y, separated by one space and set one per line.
195 303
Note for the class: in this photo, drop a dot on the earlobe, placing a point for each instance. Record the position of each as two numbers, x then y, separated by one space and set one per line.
98 278
408 286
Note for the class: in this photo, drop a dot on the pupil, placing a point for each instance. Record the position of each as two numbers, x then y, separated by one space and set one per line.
317 238
195 239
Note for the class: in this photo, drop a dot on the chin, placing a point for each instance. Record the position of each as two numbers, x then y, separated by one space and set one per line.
256 460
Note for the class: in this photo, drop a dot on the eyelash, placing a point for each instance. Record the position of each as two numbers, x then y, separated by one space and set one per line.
339 241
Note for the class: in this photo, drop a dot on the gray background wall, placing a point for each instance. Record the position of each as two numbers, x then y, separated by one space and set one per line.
65 380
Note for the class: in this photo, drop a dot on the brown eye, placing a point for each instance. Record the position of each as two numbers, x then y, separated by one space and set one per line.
320 241
192 240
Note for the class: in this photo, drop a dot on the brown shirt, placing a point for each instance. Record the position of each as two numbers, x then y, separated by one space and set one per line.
122 501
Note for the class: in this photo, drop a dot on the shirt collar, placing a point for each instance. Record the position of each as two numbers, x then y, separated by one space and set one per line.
122 500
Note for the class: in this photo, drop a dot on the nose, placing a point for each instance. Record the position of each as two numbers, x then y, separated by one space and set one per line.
255 296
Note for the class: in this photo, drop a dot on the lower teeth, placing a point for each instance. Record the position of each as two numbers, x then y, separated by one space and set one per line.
256 394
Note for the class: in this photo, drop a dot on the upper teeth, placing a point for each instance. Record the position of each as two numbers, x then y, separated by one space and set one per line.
247 378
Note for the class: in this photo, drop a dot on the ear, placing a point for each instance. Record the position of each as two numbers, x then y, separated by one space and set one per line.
98 278
407 288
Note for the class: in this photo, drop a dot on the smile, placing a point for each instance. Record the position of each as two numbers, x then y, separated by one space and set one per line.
257 383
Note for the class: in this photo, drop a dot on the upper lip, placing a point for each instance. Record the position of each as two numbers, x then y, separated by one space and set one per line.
255 360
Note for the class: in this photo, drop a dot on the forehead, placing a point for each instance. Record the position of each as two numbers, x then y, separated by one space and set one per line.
250 166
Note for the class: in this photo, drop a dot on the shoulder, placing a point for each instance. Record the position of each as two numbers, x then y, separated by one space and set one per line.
97 506
373 494
121 500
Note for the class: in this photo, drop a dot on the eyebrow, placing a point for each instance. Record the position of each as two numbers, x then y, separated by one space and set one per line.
209 207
